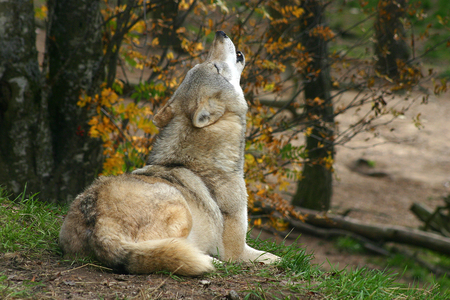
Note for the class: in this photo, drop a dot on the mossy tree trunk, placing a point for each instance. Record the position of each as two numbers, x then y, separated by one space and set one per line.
43 135
315 189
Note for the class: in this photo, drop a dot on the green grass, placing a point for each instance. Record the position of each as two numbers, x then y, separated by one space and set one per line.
421 274
29 226
25 291
362 283
348 244
296 274
401 262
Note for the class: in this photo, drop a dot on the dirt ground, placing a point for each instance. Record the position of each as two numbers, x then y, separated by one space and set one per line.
51 278
416 168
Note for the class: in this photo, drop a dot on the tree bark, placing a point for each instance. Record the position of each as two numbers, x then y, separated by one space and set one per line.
390 44
25 140
43 133
168 12
75 52
315 189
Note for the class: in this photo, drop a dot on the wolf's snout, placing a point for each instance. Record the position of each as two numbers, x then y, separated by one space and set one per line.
222 34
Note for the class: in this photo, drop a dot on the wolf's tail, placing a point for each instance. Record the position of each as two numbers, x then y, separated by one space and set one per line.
172 254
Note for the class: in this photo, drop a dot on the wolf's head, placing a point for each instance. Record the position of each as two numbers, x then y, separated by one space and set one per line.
210 89
228 62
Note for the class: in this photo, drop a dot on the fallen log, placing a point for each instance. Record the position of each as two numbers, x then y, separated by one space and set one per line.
331 233
377 232
434 220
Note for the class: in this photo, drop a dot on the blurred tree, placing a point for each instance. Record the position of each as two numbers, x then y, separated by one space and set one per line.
314 190
74 56
168 13
390 41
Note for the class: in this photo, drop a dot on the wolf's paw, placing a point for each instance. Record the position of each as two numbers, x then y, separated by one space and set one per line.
268 258
216 261
259 256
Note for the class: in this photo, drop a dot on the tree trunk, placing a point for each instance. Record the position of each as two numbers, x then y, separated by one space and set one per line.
25 141
75 51
315 189
43 140
168 12
390 45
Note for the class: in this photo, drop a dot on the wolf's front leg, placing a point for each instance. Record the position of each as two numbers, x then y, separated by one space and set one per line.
233 237
234 241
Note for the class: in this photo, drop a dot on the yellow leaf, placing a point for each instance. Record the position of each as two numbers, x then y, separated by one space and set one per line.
139 27
41 12
93 121
181 30
269 87
283 185
297 12
83 100
183 5
249 159
147 126
199 46
280 224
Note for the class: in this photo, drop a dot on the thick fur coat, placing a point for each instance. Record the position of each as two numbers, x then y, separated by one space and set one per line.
190 202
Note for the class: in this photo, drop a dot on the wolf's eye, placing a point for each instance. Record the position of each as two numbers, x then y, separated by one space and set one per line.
239 56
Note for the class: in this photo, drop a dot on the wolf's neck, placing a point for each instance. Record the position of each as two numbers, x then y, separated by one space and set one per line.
218 148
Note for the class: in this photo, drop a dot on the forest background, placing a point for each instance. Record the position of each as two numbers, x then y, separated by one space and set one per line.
84 108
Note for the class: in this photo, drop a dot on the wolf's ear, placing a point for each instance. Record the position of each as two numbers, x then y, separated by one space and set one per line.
163 117
207 112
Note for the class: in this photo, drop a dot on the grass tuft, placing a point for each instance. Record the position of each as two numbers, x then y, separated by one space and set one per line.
28 225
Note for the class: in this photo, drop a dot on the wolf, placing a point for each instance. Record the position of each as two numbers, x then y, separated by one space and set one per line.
189 203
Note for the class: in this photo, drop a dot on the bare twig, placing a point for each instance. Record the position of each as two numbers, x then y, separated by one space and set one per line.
87 265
